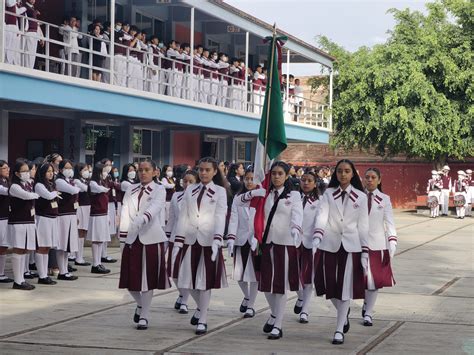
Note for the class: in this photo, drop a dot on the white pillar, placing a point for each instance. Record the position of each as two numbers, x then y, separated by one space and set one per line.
3 133
330 97
247 38
287 82
112 40
191 52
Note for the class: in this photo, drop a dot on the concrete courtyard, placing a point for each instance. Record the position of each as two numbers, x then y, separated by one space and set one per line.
430 310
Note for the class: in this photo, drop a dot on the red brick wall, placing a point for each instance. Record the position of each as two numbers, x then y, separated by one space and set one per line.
186 147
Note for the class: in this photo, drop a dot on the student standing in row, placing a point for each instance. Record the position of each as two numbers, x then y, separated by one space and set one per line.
82 176
434 191
200 233
143 267
111 209
4 211
382 242
341 233
445 190
460 194
169 183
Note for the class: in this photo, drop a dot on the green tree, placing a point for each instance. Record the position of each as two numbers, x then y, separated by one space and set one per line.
412 95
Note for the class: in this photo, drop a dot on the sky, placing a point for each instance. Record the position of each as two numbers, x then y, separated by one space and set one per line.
350 23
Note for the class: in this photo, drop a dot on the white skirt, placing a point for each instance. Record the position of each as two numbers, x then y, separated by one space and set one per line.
4 242
68 234
22 236
245 273
112 221
47 232
98 230
83 214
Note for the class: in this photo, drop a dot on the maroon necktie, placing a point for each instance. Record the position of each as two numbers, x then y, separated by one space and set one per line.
343 194
305 200
369 201
275 198
201 194
140 195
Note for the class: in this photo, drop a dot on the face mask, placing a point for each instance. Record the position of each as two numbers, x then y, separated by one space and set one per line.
90 174
169 174
132 175
25 177
118 28
116 174
68 173
104 174
108 169
85 174
160 45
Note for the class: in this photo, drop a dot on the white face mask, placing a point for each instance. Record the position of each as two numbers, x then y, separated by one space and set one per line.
118 28
25 177
85 174
169 174
68 173
132 175
105 174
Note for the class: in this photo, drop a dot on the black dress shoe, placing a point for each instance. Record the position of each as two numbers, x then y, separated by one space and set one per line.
46 281
136 316
177 304
273 336
142 325
67 277
363 310
243 308
71 269
303 320
30 275
249 313
267 328
367 322
33 267
108 259
85 263
5 280
337 341
99 269
194 319
297 308
347 326
183 309
203 329
23 286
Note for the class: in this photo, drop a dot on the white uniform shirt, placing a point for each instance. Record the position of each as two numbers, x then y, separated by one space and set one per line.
241 222
175 208
381 222
310 214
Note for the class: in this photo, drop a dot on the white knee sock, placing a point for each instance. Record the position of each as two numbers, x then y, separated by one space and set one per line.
253 291
80 250
271 302
45 263
137 296
335 302
307 290
342 314
147 297
26 262
245 290
62 264
3 260
96 254
196 296
104 250
17 265
204 300
32 257
39 266
184 293
280 304
370 298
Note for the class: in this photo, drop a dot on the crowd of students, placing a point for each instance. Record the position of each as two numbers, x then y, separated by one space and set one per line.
144 62
327 233
441 186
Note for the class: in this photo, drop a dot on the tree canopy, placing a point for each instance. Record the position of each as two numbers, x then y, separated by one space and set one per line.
412 95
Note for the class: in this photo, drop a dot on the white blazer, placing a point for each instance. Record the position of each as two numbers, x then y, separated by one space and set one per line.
288 215
151 203
381 223
310 214
241 222
175 208
346 223
207 223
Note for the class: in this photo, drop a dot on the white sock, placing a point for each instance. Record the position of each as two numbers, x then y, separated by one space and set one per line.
3 260
196 296
342 314
307 290
245 290
147 297
280 305
137 296
204 300
96 254
39 266
253 291
80 250
370 298
32 257
17 265
26 262
184 293
271 302
60 256
45 263
104 250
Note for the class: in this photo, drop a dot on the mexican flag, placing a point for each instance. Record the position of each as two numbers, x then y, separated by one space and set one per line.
271 137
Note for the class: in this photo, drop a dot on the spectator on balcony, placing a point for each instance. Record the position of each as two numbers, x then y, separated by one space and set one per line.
186 59
298 94
223 68
71 38
178 71
170 67
206 80
236 92
214 68
12 32
122 40
259 82
98 46
154 69
134 71
106 36
197 73
33 35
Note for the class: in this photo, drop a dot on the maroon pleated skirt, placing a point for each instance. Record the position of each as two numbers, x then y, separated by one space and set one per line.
380 270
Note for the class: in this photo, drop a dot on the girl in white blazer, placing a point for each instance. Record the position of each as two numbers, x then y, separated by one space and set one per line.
310 199
189 178
382 242
340 236
239 245
199 232
143 267
129 177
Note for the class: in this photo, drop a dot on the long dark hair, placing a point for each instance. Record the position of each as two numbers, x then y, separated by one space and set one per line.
193 173
16 169
165 167
218 179
61 166
355 181
314 194
244 188
2 164
377 172
97 173
288 186
125 169
41 177
77 170
179 172
233 170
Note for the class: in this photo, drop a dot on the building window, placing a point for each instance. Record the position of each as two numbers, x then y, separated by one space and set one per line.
244 150
146 144
220 146
92 132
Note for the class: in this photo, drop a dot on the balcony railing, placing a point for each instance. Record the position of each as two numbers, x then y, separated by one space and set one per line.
141 69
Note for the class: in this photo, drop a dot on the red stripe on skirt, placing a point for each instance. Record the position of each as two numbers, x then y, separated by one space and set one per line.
307 264
381 269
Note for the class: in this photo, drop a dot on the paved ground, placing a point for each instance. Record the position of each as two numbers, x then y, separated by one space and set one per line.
431 310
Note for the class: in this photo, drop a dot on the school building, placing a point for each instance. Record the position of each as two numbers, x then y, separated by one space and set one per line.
43 110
